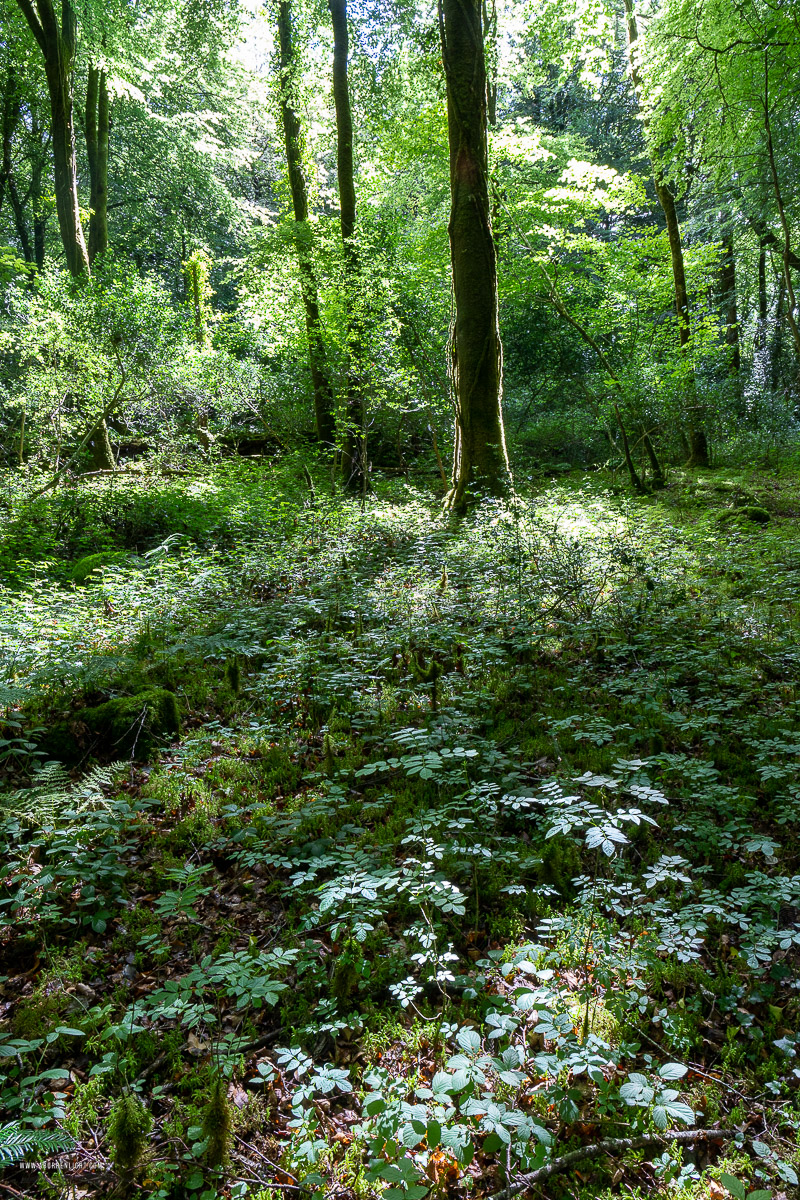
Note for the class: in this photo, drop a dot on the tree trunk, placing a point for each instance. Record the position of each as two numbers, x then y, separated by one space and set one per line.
480 460
728 290
791 302
102 454
58 45
761 332
303 240
10 121
698 445
776 349
97 125
354 450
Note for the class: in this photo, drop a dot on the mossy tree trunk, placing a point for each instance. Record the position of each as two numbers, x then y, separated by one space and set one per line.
480 461
102 454
58 43
97 129
354 449
303 240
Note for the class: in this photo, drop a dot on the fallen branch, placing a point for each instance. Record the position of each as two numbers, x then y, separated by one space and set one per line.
610 1146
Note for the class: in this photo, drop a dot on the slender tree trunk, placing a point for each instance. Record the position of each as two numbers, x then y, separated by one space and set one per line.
9 119
698 444
791 305
761 332
39 141
480 459
657 471
354 451
729 307
303 240
776 350
8 184
97 127
58 45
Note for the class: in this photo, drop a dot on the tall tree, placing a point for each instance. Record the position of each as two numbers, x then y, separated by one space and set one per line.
354 450
730 315
480 458
97 130
303 239
58 43
698 444
10 120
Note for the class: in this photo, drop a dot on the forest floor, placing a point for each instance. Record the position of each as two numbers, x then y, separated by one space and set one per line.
477 845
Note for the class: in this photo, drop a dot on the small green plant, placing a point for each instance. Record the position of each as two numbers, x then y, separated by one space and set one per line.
217 1124
129 1123
739 1190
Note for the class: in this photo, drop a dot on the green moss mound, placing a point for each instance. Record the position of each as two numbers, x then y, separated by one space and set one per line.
86 570
125 727
748 512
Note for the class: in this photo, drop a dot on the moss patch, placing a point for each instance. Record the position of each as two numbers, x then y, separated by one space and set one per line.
747 512
87 570
125 727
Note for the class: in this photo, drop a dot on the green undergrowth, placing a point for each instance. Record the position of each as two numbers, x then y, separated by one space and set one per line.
478 843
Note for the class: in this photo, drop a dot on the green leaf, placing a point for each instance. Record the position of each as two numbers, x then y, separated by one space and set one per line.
734 1186
468 1039
434 1133
681 1112
672 1071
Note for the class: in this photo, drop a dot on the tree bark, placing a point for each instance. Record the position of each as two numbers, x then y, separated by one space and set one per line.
729 307
102 454
97 129
303 240
58 43
698 444
354 450
480 459
761 332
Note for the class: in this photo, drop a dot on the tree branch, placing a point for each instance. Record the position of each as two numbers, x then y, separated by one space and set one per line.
610 1146
30 16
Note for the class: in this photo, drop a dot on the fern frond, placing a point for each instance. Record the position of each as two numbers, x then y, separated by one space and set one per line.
52 794
17 1143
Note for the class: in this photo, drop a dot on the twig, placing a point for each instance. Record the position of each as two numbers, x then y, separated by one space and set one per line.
610 1146
260 1154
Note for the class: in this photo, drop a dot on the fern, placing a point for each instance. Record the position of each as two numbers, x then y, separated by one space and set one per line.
17 1143
52 794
